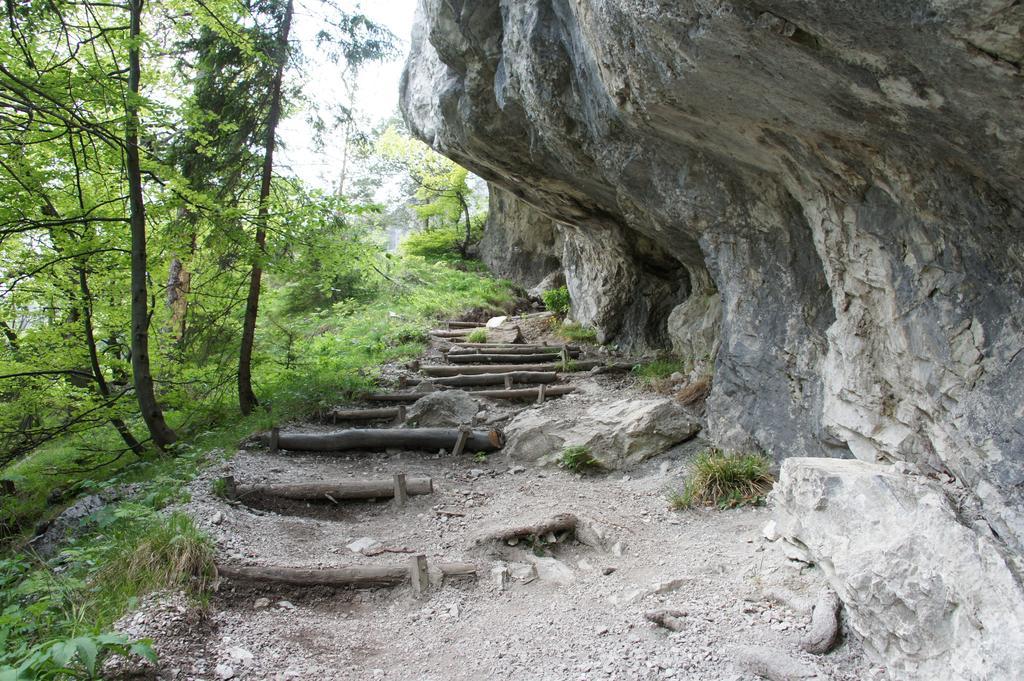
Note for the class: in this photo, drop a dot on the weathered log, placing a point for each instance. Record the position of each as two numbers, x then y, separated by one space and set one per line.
342 489
456 324
515 394
556 523
774 665
456 333
525 393
823 633
498 379
428 439
510 350
670 619
448 370
352 575
503 358
363 414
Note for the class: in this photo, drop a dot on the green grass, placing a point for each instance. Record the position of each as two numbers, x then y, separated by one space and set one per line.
135 546
477 336
659 369
725 480
577 332
578 459
557 301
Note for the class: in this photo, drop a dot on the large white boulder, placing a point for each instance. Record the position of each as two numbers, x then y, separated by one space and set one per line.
931 597
617 433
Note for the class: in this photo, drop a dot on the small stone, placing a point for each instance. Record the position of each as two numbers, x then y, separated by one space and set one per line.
286 605
261 603
217 518
517 469
608 570
240 656
618 549
363 545
224 671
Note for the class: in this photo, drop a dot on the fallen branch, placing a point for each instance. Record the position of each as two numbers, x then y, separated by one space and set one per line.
376 439
362 414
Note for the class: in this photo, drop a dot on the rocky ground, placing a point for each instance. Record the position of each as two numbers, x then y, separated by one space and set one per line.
561 610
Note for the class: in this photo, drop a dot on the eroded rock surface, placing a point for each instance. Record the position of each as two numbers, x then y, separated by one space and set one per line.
443 408
930 596
843 181
616 433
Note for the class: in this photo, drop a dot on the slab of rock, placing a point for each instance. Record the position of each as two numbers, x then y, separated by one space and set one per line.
443 408
930 597
617 433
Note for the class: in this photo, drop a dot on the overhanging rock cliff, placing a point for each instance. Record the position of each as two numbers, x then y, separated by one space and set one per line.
840 183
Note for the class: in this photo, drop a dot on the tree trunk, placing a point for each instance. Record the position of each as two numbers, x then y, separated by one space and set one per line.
246 397
151 413
94 361
469 226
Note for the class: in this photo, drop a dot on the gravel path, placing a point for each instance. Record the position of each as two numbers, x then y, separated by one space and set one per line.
566 610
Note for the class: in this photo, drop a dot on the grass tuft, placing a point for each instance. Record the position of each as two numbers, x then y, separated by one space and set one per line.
477 336
577 332
725 480
578 459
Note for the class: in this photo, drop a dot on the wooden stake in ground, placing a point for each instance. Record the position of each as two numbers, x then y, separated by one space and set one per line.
418 574
401 490
275 439
460 443
377 439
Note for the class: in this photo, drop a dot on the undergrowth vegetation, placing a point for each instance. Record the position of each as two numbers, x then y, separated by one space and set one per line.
656 374
725 480
577 332
477 336
331 354
557 300
578 459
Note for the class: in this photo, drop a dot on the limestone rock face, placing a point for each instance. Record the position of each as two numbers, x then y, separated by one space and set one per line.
520 243
847 178
929 596
617 433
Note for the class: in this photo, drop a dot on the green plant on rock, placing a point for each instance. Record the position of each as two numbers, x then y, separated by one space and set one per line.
557 300
577 459
725 480
477 336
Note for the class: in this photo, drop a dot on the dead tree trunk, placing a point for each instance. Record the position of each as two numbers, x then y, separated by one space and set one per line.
342 490
353 575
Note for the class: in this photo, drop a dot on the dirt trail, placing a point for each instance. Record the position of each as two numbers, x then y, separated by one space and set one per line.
573 612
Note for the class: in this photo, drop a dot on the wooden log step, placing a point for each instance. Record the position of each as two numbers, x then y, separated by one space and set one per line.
525 393
497 379
456 333
376 439
478 358
456 324
514 394
338 414
350 575
342 490
450 370
511 350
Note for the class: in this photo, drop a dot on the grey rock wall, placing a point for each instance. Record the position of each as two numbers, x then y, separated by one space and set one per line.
839 182
520 243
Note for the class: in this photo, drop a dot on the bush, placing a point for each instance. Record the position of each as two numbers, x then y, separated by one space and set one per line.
477 336
557 300
726 480
577 459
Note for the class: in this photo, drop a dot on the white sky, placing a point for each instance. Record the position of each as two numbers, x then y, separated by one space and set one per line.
376 87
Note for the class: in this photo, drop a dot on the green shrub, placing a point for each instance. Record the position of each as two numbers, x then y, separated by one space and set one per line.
557 300
577 332
577 459
477 336
726 480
